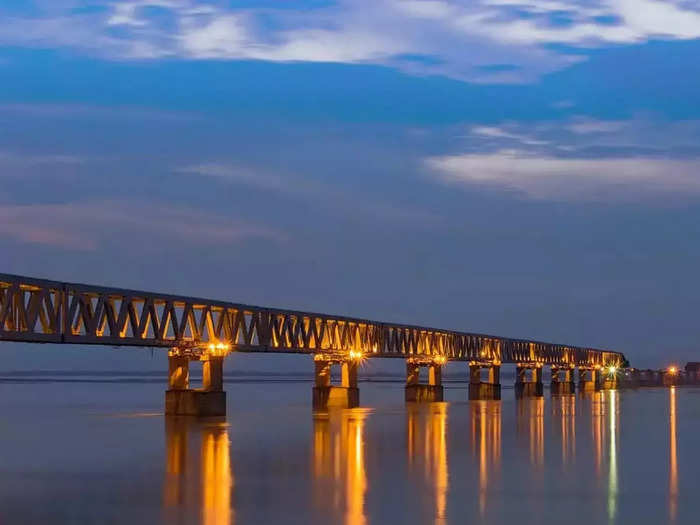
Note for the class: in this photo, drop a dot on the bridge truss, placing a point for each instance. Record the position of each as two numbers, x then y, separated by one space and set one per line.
41 311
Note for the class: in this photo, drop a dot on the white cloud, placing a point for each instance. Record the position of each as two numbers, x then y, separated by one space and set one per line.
89 225
559 178
220 37
443 37
579 159
500 133
431 9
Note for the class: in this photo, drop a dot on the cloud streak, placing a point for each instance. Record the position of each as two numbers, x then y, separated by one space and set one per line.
570 179
92 225
462 40
581 159
315 193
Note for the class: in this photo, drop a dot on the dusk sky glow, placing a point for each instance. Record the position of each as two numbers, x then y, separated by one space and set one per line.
527 169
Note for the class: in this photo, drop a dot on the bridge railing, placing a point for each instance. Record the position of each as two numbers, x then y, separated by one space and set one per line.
34 310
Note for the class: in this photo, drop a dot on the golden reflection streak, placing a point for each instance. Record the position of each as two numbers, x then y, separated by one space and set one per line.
175 461
530 428
530 412
567 413
598 430
612 405
537 433
673 458
427 430
486 438
339 455
216 478
439 431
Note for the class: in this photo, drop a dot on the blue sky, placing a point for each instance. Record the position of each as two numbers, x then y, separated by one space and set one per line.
523 168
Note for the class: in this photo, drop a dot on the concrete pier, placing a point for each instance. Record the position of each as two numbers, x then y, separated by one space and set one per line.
588 379
672 378
531 387
181 400
562 388
484 390
608 379
326 395
421 392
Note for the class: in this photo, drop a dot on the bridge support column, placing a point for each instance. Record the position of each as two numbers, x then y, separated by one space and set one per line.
607 378
325 394
588 379
672 378
531 388
488 390
565 387
213 374
418 392
181 400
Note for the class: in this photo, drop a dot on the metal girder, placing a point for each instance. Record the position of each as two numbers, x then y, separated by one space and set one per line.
40 311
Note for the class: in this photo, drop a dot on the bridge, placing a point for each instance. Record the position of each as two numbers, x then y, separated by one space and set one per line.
42 311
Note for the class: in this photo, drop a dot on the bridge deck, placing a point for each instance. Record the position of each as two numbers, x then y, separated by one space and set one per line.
41 311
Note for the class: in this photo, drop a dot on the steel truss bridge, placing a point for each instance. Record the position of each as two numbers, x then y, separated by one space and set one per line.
41 311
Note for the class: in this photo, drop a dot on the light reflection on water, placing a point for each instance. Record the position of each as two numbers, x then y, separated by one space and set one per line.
486 445
339 473
198 471
530 429
673 458
564 412
426 429
603 457
613 417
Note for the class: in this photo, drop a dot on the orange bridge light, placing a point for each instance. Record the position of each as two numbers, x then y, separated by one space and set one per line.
356 355
218 349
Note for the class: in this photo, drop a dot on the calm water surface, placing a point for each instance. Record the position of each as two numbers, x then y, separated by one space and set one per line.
103 453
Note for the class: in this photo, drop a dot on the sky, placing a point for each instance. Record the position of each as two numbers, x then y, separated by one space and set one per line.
522 168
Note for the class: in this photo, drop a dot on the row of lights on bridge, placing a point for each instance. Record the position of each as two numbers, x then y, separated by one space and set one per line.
220 349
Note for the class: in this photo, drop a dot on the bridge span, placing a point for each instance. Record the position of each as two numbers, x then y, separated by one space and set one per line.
43 311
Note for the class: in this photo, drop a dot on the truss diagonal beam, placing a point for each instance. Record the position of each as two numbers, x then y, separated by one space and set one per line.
35 310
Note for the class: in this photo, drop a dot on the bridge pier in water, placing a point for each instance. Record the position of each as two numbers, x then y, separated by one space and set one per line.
420 392
565 387
484 390
532 387
608 380
325 394
208 401
588 379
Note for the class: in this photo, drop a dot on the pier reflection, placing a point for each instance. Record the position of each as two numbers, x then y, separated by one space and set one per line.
673 458
486 445
198 475
530 425
564 413
427 449
339 462
613 415
605 426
